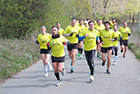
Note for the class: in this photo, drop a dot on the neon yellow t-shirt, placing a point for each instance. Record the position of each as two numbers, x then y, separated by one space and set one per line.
90 40
75 30
106 36
57 46
123 32
61 31
82 27
95 23
77 23
43 40
112 24
86 27
99 28
118 34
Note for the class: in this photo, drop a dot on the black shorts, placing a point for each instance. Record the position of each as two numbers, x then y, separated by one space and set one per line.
58 59
79 41
44 51
124 42
105 49
72 46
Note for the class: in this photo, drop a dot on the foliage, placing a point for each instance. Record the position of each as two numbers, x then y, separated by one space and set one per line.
18 17
17 54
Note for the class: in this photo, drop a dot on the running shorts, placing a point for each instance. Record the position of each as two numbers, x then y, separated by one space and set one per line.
105 49
72 46
44 51
58 59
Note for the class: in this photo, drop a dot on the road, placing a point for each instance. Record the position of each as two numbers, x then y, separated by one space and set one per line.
124 79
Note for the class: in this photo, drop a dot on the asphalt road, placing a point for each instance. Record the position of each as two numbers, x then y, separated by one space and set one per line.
124 79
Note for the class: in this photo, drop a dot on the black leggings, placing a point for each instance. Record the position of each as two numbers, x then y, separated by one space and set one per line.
90 60
116 50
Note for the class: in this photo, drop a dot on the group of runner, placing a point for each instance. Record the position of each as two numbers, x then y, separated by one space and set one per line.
94 35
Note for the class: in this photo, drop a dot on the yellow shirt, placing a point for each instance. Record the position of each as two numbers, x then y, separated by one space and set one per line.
99 28
61 31
112 24
75 30
118 34
57 46
82 27
43 40
77 23
106 36
123 32
90 40
86 27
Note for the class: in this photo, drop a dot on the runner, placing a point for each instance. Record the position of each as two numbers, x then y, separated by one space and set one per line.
73 33
125 32
86 24
56 44
99 27
61 31
80 42
107 36
90 36
42 39
115 44
113 23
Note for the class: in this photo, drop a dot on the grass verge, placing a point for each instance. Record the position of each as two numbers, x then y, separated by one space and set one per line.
17 54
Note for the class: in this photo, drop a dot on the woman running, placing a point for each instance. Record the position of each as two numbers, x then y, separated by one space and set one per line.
42 39
56 44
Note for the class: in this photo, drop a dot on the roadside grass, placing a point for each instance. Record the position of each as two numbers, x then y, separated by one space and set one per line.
17 54
134 40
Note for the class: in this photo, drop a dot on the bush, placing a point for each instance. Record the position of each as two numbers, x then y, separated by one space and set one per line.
18 17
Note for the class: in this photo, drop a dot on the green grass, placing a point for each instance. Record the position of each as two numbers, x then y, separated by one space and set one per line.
17 54
134 43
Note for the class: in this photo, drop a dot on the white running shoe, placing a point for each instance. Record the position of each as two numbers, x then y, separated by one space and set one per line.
63 72
91 78
59 83
46 74
115 64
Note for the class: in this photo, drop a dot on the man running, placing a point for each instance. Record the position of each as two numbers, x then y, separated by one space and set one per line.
42 40
99 27
86 25
61 31
90 36
56 44
73 33
107 36
80 42
125 32
115 44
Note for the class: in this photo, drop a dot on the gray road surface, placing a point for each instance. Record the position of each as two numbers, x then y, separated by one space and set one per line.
124 79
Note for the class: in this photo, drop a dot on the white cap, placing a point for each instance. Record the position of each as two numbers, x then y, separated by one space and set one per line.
85 22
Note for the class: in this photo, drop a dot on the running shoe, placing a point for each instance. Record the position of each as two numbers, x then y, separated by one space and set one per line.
72 70
100 56
79 54
46 74
89 72
121 51
108 72
115 64
124 55
63 72
103 63
91 78
59 83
